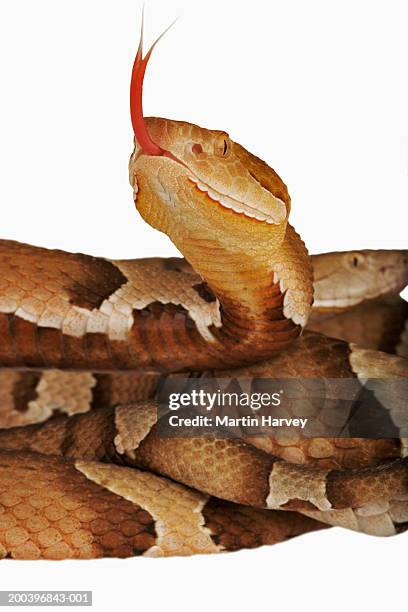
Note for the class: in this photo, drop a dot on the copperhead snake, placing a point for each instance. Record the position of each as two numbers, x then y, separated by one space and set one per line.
84 470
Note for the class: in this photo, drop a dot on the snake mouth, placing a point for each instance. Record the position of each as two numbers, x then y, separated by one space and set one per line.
234 205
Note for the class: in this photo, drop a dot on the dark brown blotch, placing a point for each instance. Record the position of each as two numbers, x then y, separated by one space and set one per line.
97 281
25 390
177 264
204 292
156 310
228 528
84 280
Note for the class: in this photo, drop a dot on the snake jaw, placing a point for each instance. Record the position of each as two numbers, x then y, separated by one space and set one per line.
238 207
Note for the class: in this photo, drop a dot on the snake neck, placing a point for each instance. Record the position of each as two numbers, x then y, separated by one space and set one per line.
242 286
264 295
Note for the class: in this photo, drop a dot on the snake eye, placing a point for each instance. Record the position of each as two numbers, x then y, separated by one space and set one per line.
356 260
222 147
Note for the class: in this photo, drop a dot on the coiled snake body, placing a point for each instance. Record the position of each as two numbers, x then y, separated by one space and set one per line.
85 471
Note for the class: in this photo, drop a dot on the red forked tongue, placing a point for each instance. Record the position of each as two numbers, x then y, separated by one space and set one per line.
136 94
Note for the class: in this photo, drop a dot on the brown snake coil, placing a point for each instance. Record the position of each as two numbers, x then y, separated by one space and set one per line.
86 468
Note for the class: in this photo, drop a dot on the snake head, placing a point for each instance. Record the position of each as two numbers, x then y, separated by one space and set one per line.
188 179
345 279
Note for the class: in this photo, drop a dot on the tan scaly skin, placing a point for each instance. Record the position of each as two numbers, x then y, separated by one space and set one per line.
355 298
233 469
346 279
225 209
227 212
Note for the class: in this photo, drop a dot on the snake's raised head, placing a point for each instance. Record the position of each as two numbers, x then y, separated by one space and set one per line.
195 181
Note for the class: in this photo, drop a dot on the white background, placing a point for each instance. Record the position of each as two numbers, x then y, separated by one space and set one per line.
318 89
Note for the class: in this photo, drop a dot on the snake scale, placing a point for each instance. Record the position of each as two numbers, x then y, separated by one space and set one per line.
85 471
